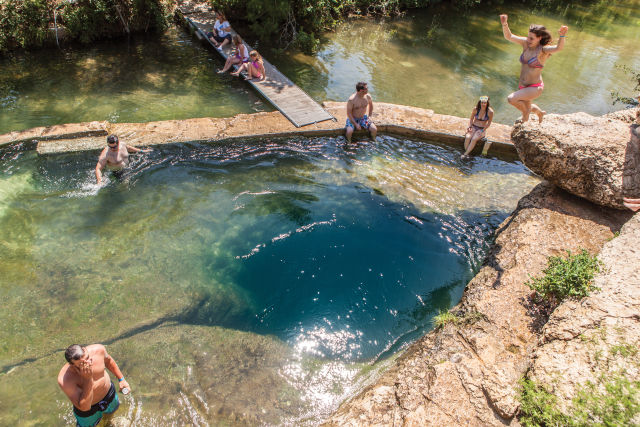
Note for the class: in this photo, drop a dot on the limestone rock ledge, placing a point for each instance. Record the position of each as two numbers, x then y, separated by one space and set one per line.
591 157
598 336
468 374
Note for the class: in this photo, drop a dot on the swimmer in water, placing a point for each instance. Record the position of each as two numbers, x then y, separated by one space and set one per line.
114 157
536 51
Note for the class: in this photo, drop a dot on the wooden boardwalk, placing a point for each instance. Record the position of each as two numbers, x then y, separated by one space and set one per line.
295 104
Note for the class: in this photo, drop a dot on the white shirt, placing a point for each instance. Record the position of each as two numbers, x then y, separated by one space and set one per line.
219 27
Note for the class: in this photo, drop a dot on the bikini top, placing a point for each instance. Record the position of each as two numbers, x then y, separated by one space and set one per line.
486 116
533 62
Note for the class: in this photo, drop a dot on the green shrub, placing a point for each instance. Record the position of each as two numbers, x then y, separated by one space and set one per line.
616 405
284 20
24 23
538 407
569 277
307 43
89 20
610 402
443 318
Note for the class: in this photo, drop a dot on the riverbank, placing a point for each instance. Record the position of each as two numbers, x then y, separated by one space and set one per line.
469 371
390 118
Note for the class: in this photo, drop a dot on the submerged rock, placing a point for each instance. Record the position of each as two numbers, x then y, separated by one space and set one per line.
591 157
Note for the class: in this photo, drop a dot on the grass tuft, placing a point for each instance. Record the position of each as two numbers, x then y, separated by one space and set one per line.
567 277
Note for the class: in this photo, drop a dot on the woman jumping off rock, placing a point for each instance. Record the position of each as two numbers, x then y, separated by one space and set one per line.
536 51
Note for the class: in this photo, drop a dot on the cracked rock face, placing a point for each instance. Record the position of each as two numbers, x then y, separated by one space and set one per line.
467 374
597 158
597 336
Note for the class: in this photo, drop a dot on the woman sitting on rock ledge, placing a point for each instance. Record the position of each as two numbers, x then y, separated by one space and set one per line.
480 120
535 53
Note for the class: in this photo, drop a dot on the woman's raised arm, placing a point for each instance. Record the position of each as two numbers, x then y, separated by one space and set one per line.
507 32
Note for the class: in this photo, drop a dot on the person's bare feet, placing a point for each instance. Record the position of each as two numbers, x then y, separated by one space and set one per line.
540 115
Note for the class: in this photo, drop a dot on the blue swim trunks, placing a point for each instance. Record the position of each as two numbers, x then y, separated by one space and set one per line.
92 417
362 121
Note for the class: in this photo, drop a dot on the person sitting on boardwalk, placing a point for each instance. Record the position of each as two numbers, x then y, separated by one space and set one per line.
254 68
536 51
220 35
357 117
87 384
114 157
480 120
241 55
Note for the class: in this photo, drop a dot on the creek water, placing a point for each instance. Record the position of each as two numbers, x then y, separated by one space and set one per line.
439 59
261 283
237 282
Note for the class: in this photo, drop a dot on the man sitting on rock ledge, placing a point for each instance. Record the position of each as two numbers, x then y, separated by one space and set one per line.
357 118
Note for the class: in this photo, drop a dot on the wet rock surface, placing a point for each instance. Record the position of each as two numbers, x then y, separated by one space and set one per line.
591 157
468 373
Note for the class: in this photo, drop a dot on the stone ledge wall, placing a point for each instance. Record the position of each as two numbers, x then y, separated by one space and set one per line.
390 118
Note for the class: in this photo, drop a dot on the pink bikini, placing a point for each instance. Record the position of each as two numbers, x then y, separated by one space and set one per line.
533 62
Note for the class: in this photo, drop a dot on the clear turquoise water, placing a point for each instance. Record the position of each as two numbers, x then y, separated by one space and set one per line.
294 263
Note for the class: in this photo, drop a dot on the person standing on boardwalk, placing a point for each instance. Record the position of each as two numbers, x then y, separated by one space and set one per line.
357 117
87 384
481 118
536 51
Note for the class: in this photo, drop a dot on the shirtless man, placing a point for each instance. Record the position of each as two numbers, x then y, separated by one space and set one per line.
87 385
357 117
114 157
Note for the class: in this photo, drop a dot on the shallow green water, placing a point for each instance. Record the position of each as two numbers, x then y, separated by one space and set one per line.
150 78
238 282
438 59
444 60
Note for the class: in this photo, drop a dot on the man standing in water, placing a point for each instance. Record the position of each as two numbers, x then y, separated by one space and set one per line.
87 385
114 157
357 117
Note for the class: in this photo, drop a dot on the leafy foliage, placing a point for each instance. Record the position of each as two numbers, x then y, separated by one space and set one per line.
569 277
297 21
88 20
23 23
613 401
443 318
538 407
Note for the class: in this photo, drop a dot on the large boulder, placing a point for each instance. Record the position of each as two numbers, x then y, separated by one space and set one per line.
596 158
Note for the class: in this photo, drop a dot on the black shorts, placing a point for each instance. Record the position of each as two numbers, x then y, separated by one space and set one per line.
218 38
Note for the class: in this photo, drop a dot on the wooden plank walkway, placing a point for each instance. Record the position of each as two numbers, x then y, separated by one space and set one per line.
294 103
